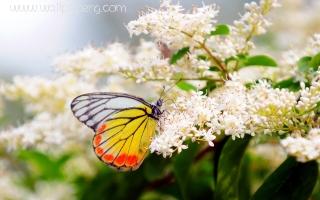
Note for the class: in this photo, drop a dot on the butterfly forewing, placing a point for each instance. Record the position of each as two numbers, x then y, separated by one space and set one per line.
122 124
94 108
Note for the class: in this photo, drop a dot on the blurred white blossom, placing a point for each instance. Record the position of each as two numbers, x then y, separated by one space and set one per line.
91 62
45 132
45 94
294 22
51 190
9 188
304 148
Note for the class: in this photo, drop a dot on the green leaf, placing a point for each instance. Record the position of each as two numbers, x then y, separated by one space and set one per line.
200 183
178 55
221 29
315 62
291 180
259 60
304 63
183 85
214 69
181 167
210 86
229 169
154 167
290 84
42 165
244 179
202 57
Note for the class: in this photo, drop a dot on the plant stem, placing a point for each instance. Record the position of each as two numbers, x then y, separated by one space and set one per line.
186 79
213 58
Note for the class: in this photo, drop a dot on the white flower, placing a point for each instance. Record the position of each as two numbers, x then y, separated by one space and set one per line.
44 94
310 96
271 109
252 23
232 110
169 24
304 148
49 190
313 45
179 125
90 63
46 131
224 47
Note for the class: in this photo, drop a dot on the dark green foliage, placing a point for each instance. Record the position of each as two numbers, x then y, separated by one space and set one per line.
292 180
181 167
227 186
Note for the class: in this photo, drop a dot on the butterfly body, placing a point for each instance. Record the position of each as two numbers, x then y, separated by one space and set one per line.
123 124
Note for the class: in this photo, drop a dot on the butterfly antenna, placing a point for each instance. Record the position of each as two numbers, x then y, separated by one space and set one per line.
164 92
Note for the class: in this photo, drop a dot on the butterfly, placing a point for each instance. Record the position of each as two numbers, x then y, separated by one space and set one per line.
123 124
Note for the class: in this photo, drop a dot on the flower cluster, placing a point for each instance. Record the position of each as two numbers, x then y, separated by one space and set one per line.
46 131
90 64
235 110
42 94
252 23
310 96
169 24
304 148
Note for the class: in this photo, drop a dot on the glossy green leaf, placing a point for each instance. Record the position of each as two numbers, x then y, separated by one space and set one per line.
183 85
42 165
315 62
290 84
304 63
181 167
291 180
221 29
244 183
229 169
178 55
259 60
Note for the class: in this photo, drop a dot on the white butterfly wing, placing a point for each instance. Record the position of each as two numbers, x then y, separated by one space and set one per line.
93 109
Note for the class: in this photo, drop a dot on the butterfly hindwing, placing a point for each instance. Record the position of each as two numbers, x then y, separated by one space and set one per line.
123 127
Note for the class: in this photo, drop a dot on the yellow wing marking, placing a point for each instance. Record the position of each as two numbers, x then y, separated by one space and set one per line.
123 140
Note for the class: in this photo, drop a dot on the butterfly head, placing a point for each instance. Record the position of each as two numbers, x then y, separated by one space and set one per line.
156 112
159 103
